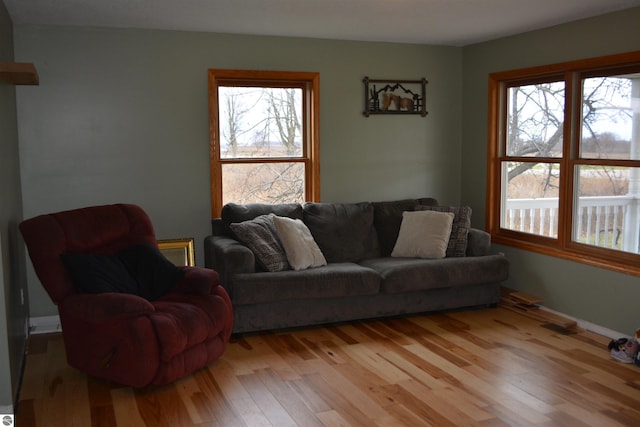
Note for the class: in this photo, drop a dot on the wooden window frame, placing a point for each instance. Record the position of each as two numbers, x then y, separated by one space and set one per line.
310 82
563 247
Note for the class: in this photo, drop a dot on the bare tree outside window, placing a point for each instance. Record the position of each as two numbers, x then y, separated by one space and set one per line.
564 160
264 137
263 124
534 146
535 149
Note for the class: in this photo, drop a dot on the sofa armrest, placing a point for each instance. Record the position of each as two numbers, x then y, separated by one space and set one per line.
228 257
478 242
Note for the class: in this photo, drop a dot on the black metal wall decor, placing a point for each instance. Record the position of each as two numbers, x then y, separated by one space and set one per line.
394 96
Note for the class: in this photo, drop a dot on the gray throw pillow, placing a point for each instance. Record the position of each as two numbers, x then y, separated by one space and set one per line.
459 230
260 235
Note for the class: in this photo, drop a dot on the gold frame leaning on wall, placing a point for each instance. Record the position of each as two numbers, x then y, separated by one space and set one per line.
179 251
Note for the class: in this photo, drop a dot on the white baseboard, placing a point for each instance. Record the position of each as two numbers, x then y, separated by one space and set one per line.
51 324
45 325
588 326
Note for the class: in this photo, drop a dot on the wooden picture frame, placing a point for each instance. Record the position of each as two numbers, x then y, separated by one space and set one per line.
179 251
401 97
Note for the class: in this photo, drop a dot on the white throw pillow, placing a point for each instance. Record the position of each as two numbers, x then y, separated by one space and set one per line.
302 251
423 234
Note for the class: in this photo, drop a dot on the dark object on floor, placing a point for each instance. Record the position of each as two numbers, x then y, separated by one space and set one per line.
559 329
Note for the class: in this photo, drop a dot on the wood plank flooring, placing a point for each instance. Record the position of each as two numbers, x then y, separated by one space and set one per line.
491 367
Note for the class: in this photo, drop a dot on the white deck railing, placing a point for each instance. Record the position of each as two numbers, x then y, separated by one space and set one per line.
606 221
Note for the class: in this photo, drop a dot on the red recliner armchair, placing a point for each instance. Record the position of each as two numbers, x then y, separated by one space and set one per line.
125 337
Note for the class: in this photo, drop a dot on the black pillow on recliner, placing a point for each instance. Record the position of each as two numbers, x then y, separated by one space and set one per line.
95 273
154 274
139 270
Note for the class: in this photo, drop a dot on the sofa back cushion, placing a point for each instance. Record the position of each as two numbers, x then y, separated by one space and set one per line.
232 212
388 217
343 231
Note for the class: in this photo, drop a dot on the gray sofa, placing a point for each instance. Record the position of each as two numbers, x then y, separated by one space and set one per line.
361 280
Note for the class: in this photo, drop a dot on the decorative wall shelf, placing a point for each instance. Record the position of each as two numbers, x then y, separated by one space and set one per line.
19 73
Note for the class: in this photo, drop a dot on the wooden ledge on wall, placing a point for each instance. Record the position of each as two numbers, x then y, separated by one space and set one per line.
19 73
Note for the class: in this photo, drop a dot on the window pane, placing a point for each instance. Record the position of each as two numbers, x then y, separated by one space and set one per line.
607 209
263 183
260 122
530 198
535 115
610 105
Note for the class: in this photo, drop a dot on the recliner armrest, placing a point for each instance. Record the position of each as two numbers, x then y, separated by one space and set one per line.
105 307
197 281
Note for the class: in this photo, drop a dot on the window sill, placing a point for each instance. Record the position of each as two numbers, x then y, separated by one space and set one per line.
570 254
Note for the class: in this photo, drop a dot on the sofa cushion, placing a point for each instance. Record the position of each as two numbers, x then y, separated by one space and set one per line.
330 281
232 212
343 231
388 217
423 234
260 235
302 251
415 274
459 229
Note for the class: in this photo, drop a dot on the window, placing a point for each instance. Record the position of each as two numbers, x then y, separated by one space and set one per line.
264 137
564 160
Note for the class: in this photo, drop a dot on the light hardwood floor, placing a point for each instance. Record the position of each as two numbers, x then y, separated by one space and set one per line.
490 367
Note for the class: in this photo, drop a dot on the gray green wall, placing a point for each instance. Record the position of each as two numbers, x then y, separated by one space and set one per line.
122 116
599 296
13 311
